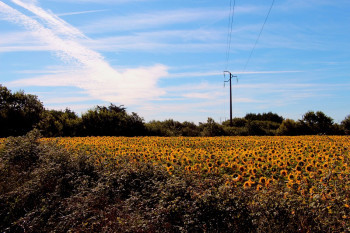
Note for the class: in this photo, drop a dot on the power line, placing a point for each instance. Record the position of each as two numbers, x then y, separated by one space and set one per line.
229 38
262 28
229 31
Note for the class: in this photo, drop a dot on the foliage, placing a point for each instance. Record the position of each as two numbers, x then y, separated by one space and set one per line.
264 117
56 123
35 180
170 127
236 122
316 123
262 128
164 128
19 112
345 124
111 121
289 127
211 128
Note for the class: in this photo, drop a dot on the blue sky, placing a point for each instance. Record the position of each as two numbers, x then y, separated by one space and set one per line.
165 59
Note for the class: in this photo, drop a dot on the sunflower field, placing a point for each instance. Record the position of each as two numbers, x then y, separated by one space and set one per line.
302 162
309 165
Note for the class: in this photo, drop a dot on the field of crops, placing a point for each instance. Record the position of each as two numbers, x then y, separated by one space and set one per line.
199 184
309 165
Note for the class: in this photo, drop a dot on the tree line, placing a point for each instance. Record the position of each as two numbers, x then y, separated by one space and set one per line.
20 113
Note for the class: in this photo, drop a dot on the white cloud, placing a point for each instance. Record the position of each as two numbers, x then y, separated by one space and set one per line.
59 26
99 1
158 19
149 20
62 100
216 73
80 12
92 73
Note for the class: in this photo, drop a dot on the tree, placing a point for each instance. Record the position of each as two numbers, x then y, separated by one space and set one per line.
345 125
19 112
112 121
59 123
256 128
289 127
189 129
273 117
166 128
317 123
236 122
211 128
135 126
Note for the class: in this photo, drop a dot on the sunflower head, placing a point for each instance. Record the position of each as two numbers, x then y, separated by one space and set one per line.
259 187
262 180
247 184
284 173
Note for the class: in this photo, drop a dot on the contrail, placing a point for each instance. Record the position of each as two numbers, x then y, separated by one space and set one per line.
93 73
54 22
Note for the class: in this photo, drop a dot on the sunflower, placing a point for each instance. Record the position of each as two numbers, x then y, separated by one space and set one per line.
196 166
247 184
237 178
281 164
284 173
309 168
170 169
269 182
298 168
292 185
234 166
298 179
262 180
252 179
291 177
242 168
254 171
226 164
227 183
303 192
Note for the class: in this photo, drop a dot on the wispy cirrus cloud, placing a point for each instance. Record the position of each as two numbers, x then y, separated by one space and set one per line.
159 19
105 1
216 73
80 12
91 72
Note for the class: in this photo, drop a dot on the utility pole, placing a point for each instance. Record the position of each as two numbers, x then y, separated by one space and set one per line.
231 124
